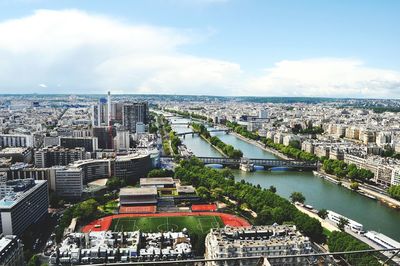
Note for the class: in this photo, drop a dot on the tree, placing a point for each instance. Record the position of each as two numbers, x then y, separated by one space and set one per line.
203 192
340 241
34 261
394 192
115 183
323 213
272 189
160 173
86 210
354 185
343 222
297 196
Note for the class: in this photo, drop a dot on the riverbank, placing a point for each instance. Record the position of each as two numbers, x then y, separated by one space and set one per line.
216 148
390 202
379 196
261 146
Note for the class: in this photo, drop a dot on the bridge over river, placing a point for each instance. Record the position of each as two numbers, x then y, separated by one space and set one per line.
266 163
210 130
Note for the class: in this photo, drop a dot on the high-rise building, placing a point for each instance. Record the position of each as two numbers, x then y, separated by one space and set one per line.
134 113
25 206
122 140
100 113
105 136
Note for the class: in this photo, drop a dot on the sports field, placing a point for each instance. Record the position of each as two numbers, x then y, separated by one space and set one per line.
198 226
195 224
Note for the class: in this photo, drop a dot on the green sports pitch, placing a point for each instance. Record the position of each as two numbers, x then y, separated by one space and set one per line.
194 224
197 226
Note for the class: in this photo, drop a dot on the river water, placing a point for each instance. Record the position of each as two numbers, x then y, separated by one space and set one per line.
318 192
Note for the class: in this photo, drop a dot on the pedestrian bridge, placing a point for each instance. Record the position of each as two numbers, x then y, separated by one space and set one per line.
266 163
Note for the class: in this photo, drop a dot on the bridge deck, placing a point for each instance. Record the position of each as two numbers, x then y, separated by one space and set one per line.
261 162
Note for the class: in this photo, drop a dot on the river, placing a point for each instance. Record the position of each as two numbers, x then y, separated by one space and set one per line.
318 192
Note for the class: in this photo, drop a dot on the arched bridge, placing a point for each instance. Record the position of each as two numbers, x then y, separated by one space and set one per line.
211 130
267 163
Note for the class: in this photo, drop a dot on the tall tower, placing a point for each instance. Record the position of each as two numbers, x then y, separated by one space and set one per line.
109 108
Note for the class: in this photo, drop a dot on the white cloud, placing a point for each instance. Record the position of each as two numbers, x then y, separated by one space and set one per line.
89 53
330 77
96 53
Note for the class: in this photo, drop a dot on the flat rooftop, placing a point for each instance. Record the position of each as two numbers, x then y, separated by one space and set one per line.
134 191
185 189
11 150
154 181
11 200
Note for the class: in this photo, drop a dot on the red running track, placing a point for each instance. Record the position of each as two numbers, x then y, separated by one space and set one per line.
105 222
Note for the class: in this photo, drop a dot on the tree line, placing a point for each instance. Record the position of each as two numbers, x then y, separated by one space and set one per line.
342 170
186 114
227 149
335 167
394 192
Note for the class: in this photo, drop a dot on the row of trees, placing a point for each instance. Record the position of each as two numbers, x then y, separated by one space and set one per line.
241 130
340 241
175 142
394 192
269 207
335 167
342 170
160 173
293 150
163 128
227 149
186 114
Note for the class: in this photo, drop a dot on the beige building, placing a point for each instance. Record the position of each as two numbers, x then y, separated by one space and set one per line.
257 241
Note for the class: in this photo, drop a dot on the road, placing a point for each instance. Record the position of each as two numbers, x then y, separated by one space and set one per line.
323 222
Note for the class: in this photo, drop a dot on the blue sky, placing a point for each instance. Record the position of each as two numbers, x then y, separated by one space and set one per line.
225 47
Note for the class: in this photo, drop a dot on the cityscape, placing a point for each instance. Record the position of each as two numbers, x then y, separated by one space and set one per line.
152 133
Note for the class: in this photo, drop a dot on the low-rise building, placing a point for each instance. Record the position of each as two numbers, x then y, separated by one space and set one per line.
11 251
138 196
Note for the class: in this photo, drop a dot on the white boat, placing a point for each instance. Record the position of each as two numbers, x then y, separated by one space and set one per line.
353 225
382 239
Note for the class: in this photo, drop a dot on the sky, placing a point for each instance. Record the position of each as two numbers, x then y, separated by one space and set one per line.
317 48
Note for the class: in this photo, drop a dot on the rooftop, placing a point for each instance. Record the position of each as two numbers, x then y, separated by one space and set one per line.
10 150
138 191
21 189
153 181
